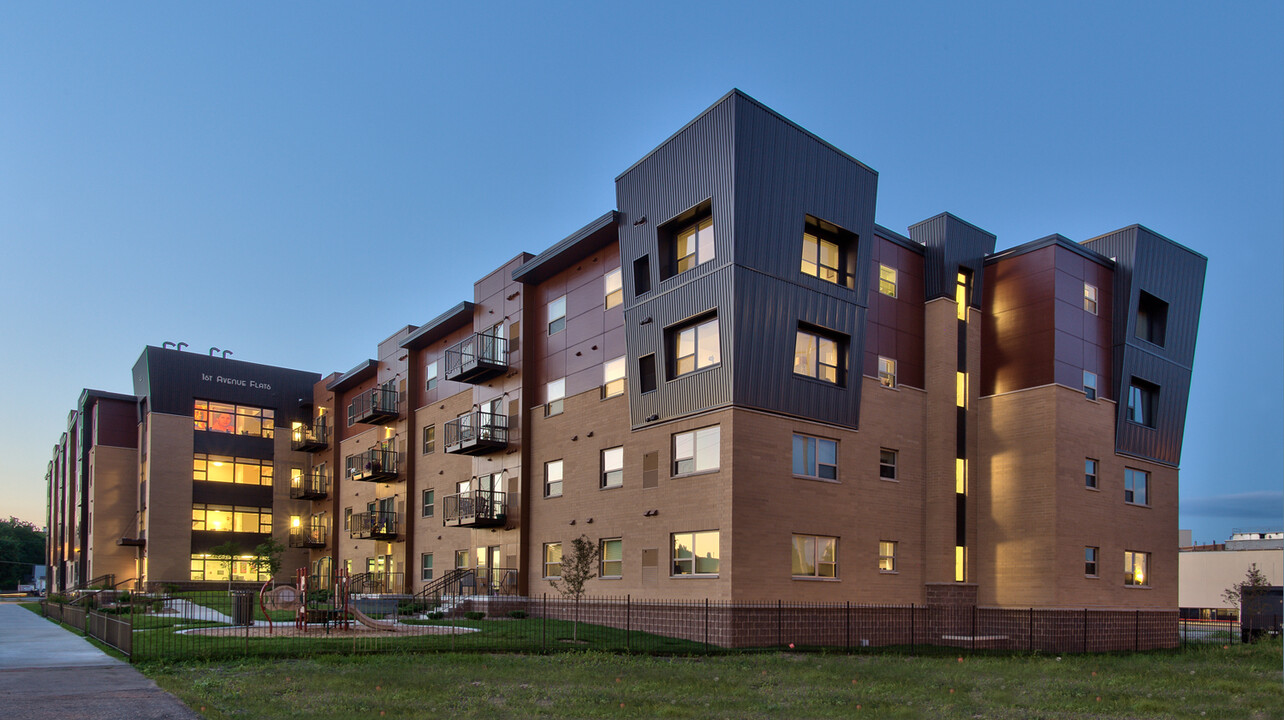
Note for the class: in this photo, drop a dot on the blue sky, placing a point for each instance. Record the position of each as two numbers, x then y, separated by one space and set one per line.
232 175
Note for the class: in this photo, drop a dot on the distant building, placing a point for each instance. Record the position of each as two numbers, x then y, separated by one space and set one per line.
1205 571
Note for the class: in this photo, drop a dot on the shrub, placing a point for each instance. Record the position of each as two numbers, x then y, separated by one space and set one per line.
436 615
517 614
123 597
474 615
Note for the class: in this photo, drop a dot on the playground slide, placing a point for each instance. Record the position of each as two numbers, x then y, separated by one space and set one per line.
370 622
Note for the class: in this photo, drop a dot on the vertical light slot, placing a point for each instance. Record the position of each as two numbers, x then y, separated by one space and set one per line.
960 389
960 572
960 476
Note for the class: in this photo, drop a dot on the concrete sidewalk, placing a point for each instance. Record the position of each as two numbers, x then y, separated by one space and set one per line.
49 672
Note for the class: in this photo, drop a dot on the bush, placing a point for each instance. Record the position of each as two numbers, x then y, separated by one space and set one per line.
474 615
408 607
123 597
517 614
436 615
158 606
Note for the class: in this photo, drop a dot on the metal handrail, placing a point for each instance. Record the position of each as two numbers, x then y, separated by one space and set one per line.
478 347
482 504
477 425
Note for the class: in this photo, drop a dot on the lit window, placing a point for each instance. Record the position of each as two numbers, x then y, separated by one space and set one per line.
425 567
960 389
1136 566
429 502
614 288
1090 385
696 451
961 292
886 372
231 518
430 372
816 356
697 347
887 555
613 377
557 316
611 552
552 560
239 471
887 280
694 245
1090 561
1090 298
244 569
233 419
815 457
612 467
1135 484
430 439
695 553
1090 473
1141 402
347 519
887 464
553 478
820 257
556 392
815 556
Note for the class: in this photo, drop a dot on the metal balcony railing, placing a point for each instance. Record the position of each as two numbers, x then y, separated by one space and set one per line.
475 508
308 536
373 465
313 485
310 438
478 357
477 433
374 407
377 525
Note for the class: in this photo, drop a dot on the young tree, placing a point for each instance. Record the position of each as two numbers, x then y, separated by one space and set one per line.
578 567
227 553
1253 579
267 557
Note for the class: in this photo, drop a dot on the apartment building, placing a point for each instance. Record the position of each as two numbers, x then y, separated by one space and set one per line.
741 387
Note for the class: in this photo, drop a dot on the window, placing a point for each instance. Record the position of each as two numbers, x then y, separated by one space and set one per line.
461 559
347 519
695 553
696 347
209 568
430 372
642 275
556 393
222 469
613 467
887 556
613 288
815 556
429 501
613 377
886 372
1090 473
693 245
1152 318
887 464
820 256
815 457
1136 565
231 518
430 439
425 567
1090 385
611 552
552 560
1141 402
233 419
887 280
557 316
1090 298
553 478
817 356
1090 561
696 451
646 373
1135 482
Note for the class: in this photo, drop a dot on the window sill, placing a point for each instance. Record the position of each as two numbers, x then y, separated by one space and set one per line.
818 381
610 397
610 577
818 479
889 572
697 371
611 487
1093 488
696 474
808 578
1092 577
895 480
1137 505
887 387
550 497
693 576
1137 587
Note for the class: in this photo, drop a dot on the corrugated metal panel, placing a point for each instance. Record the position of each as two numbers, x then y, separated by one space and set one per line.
952 243
171 379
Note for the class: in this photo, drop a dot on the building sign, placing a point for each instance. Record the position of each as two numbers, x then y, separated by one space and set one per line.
236 382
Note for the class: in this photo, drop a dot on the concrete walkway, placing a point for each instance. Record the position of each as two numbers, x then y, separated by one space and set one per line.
47 671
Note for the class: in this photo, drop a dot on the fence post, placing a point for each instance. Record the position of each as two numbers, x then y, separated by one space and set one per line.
1031 648
849 626
780 638
543 626
912 613
1136 632
706 624
1085 629
628 622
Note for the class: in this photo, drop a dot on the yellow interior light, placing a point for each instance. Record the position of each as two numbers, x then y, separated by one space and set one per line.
959 574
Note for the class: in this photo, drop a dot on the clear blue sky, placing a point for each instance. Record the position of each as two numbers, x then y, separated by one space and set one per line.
236 175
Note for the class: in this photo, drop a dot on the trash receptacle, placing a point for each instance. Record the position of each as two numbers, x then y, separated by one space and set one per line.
242 608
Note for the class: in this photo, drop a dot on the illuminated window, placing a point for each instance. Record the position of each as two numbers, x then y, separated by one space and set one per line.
1090 298
815 457
1090 561
425 567
693 245
695 553
887 280
556 394
696 347
887 556
886 372
553 478
1136 566
960 389
611 552
240 471
233 419
430 372
231 518
821 257
614 288
887 464
613 377
817 356
430 439
557 316
613 467
244 568
1090 473
696 451
815 556
960 293
960 563
1135 485
960 476
552 560
1090 385
428 506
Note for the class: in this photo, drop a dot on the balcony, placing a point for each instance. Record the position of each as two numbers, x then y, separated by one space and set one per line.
477 433
373 465
308 536
378 525
309 438
476 508
310 486
374 407
479 357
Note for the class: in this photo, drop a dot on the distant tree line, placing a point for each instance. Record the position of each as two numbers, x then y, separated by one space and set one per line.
22 545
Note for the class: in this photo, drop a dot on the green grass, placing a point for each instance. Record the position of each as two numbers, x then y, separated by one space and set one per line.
220 602
1205 682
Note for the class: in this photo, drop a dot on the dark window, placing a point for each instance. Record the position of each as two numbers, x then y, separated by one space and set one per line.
1090 561
887 464
1136 484
430 439
642 275
1152 319
646 373
815 457
1142 398
1089 473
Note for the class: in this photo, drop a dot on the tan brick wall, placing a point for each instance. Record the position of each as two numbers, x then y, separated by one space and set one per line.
169 502
113 502
938 503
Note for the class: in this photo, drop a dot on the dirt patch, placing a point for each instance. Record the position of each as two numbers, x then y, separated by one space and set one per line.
288 630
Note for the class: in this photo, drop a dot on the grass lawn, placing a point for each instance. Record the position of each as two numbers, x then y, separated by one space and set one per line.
1203 682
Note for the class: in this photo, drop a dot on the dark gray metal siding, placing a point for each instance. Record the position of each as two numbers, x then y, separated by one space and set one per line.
169 380
1147 261
951 243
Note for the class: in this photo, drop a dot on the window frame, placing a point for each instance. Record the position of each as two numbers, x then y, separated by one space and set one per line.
693 534
1089 388
884 281
887 372
819 239
461 555
1131 567
615 384
1091 473
555 404
817 337
695 230
1091 298
1091 561
556 323
811 457
602 571
547 563
609 473
885 467
616 292
425 567
430 439
430 375
428 503
887 556
694 458
561 477
203 415
1143 400
1131 486
817 564
696 328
